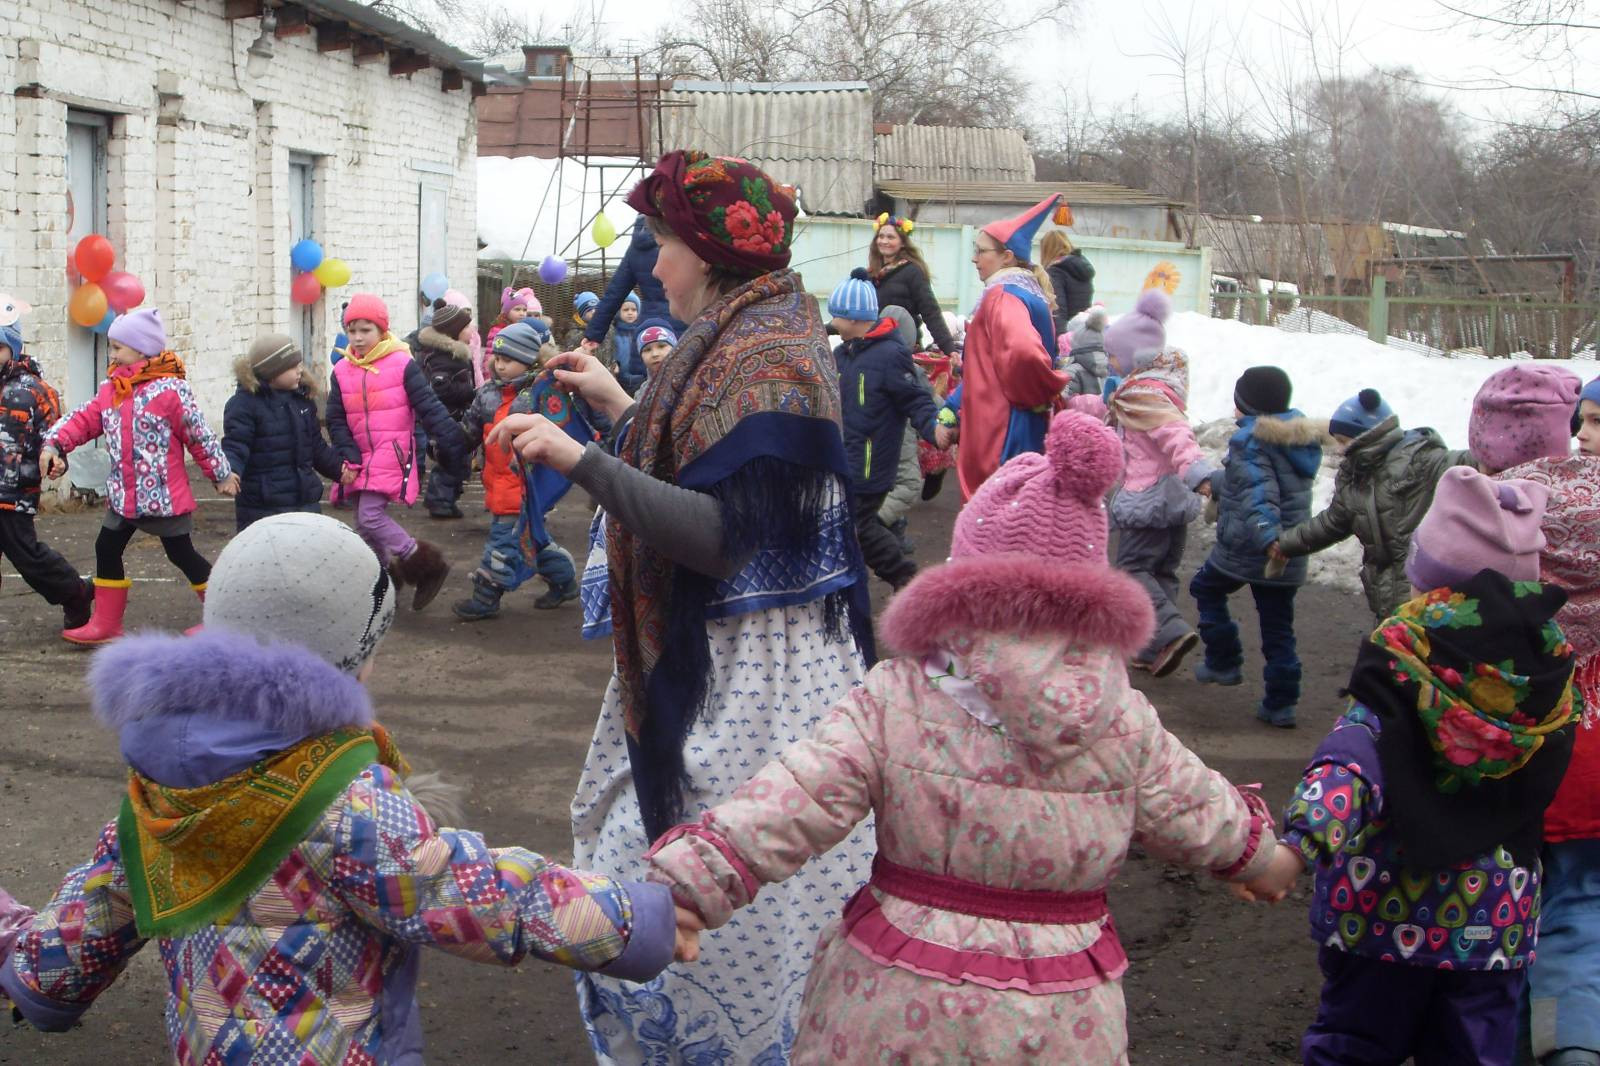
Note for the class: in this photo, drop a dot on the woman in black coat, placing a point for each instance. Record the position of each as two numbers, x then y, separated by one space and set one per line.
901 278
1071 276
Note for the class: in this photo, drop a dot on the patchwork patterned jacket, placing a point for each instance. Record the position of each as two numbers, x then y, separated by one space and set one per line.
28 407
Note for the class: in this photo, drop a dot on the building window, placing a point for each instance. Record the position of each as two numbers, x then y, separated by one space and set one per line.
302 225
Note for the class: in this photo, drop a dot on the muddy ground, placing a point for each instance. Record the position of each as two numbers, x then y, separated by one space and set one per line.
507 707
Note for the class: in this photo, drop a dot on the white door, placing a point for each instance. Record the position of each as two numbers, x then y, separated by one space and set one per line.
86 214
302 319
433 251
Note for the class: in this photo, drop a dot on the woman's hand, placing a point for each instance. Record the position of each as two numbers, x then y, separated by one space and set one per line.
587 376
686 945
538 440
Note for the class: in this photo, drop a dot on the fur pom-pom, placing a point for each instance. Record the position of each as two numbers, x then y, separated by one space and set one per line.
861 274
1085 453
1153 303
1369 398
1096 318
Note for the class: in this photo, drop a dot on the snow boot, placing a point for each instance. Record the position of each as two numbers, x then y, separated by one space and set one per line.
1208 676
1283 717
1169 658
1571 1056
483 603
75 613
556 596
199 590
105 623
425 568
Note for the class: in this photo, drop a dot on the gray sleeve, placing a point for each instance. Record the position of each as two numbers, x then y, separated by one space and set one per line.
683 525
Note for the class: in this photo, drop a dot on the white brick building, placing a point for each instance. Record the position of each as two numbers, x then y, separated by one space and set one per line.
202 160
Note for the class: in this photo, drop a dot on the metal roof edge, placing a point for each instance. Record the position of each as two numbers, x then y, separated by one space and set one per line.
358 14
769 86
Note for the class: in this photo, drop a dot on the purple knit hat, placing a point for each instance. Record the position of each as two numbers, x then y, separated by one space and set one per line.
1050 505
1521 413
140 330
1142 329
1476 523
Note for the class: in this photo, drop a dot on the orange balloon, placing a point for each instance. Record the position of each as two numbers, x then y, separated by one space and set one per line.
88 305
95 257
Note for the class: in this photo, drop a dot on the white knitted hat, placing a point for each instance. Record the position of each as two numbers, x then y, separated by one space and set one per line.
306 579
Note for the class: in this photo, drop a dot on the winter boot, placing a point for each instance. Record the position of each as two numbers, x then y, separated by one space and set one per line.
105 624
1283 717
425 568
1571 1056
199 590
483 603
898 527
1222 676
446 512
1168 659
557 595
75 613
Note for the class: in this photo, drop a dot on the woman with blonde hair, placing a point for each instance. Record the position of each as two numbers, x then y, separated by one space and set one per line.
1071 275
901 276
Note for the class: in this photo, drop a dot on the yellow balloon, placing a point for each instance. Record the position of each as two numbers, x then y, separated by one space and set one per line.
603 233
332 273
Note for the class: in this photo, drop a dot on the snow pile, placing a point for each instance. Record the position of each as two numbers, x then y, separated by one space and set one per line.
1326 370
519 201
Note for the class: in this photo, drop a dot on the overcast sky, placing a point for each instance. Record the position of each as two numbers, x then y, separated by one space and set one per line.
1114 50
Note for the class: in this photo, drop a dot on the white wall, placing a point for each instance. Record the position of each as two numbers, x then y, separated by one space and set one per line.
198 162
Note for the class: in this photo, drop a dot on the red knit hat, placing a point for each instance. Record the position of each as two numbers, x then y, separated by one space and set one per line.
364 306
1051 505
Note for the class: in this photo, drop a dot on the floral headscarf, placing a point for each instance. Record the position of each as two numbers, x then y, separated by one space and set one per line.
727 210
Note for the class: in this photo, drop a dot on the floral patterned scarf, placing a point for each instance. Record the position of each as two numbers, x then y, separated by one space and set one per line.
1154 395
129 376
1473 689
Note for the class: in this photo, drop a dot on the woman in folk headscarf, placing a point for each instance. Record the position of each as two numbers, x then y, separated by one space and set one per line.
1008 374
733 589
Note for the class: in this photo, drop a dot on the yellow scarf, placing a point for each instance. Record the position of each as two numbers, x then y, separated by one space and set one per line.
194 855
385 346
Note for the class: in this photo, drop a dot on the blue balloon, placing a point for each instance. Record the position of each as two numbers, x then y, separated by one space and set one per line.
305 255
552 270
435 285
104 325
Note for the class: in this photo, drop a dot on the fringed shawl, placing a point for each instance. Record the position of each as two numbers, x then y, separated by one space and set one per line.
747 409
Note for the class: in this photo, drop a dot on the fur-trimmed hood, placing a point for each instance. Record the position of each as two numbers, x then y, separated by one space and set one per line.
1018 594
429 337
192 710
1289 430
248 382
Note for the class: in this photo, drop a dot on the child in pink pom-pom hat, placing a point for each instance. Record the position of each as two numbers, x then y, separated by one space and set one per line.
1008 765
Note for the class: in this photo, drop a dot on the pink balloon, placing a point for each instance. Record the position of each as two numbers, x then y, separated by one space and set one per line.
306 289
123 290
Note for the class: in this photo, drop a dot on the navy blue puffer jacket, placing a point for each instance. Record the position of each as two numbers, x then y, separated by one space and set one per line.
1262 490
273 441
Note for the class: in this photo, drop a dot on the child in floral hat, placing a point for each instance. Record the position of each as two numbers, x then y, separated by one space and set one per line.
1421 811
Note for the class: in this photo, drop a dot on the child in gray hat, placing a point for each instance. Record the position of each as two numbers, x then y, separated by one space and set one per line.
271 842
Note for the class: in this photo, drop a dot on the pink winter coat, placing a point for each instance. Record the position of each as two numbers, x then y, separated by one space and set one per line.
1007 760
145 436
1163 463
374 412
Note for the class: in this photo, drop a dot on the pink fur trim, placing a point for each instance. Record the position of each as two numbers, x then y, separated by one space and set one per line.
1023 594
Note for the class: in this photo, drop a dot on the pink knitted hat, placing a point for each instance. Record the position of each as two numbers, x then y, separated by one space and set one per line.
1476 523
1522 413
1051 505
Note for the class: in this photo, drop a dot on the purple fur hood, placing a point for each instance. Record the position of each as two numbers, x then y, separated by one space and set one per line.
192 710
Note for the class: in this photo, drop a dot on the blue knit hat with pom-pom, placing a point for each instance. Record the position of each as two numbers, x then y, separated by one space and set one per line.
1358 414
854 299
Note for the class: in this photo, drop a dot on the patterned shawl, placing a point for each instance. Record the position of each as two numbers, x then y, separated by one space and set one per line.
194 855
129 376
1154 395
748 410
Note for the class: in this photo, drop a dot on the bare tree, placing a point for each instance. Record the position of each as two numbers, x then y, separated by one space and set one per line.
487 27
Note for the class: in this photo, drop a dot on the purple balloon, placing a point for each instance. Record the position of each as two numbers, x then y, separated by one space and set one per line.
552 270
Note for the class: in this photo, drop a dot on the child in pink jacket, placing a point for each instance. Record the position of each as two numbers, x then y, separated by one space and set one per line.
148 416
1160 494
1009 766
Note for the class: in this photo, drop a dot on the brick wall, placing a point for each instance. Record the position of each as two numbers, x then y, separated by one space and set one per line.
198 171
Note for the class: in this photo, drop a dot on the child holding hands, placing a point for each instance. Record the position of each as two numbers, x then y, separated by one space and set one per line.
1009 766
148 416
1421 811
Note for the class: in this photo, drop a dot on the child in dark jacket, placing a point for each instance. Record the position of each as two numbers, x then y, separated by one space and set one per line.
1383 489
1263 488
28 407
879 389
1421 810
271 436
275 845
446 360
517 360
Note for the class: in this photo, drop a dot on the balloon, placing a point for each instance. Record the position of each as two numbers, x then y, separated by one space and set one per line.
74 279
552 270
305 255
603 233
104 325
305 289
333 273
434 286
88 305
122 290
94 256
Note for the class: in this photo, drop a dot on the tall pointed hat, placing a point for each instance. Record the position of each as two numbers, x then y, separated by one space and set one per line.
1017 233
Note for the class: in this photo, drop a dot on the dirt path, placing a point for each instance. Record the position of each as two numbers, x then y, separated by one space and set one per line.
507 707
